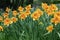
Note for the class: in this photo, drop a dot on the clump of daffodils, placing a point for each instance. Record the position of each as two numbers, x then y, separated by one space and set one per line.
56 18
23 13
49 9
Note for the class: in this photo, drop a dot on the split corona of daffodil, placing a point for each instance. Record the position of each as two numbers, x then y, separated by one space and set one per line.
45 6
39 11
57 14
15 13
22 16
28 8
49 12
49 28
7 9
53 7
5 15
7 21
14 19
20 8
55 20
36 14
27 13
1 28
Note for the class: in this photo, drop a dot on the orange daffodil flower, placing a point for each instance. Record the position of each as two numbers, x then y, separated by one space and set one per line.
7 21
49 28
39 11
45 6
55 20
49 12
27 13
7 9
53 7
15 13
14 19
5 15
36 14
20 9
22 16
28 8
57 14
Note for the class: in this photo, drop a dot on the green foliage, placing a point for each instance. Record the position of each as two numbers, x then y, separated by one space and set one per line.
47 1
30 30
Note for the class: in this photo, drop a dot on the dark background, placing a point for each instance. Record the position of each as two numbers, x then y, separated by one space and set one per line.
14 4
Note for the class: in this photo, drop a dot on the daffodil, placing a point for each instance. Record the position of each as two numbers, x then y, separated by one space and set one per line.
49 28
35 16
14 19
49 12
45 6
22 16
5 15
28 8
7 21
39 11
55 20
7 9
53 7
20 8
27 13
15 13
57 14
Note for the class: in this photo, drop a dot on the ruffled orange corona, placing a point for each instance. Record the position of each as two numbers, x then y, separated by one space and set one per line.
49 28
28 8
15 13
14 19
36 14
7 21
53 7
27 13
45 6
5 15
20 9
7 9
22 16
